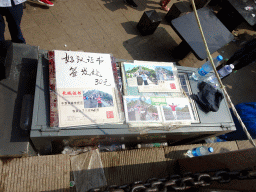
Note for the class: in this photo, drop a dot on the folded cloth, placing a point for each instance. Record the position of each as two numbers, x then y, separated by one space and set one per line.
208 98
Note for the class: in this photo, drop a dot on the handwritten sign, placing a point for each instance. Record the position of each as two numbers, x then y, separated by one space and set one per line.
82 69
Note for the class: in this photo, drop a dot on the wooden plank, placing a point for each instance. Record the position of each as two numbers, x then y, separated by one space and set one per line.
245 144
35 174
176 152
133 165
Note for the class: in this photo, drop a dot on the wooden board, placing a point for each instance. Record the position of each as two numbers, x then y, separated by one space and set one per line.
245 144
133 165
40 173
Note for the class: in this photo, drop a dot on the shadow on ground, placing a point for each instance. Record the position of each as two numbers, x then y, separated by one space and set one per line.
155 47
114 5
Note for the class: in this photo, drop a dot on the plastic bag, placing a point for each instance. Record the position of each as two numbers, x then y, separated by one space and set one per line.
88 171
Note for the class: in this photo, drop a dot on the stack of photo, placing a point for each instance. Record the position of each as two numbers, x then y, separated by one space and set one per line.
153 94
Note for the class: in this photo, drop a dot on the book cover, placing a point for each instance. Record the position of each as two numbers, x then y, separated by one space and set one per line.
85 88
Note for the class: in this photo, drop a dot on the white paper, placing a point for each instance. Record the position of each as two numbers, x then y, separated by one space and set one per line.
83 69
85 88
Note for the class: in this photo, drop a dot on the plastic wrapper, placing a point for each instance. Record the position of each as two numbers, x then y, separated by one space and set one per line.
73 151
214 140
248 8
88 171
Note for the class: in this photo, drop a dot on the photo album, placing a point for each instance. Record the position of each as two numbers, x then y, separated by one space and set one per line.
85 88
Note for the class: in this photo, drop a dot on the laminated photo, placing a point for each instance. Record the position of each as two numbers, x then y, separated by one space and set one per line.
138 75
140 109
94 98
177 109
152 76
164 73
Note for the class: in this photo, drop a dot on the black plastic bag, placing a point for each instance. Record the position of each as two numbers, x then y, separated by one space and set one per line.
208 98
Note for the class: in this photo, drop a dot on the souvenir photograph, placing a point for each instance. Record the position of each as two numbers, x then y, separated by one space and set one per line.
139 75
139 109
96 98
164 73
177 109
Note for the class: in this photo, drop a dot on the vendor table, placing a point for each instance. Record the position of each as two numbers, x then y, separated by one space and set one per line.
216 34
43 136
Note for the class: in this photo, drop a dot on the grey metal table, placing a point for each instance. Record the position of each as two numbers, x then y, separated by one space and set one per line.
43 136
216 34
21 66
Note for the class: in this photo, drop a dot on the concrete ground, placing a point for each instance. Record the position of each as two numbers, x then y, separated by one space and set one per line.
109 26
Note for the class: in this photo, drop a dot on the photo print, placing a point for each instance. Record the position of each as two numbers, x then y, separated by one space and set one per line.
138 75
177 109
94 98
139 109
164 73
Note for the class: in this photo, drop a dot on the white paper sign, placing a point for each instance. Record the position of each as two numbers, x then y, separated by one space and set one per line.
83 69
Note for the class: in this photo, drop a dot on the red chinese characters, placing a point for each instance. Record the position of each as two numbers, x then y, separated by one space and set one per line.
72 93
172 85
110 114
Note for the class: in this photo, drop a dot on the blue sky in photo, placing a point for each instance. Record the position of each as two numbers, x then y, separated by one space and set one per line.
128 67
169 68
180 106
148 100
106 90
